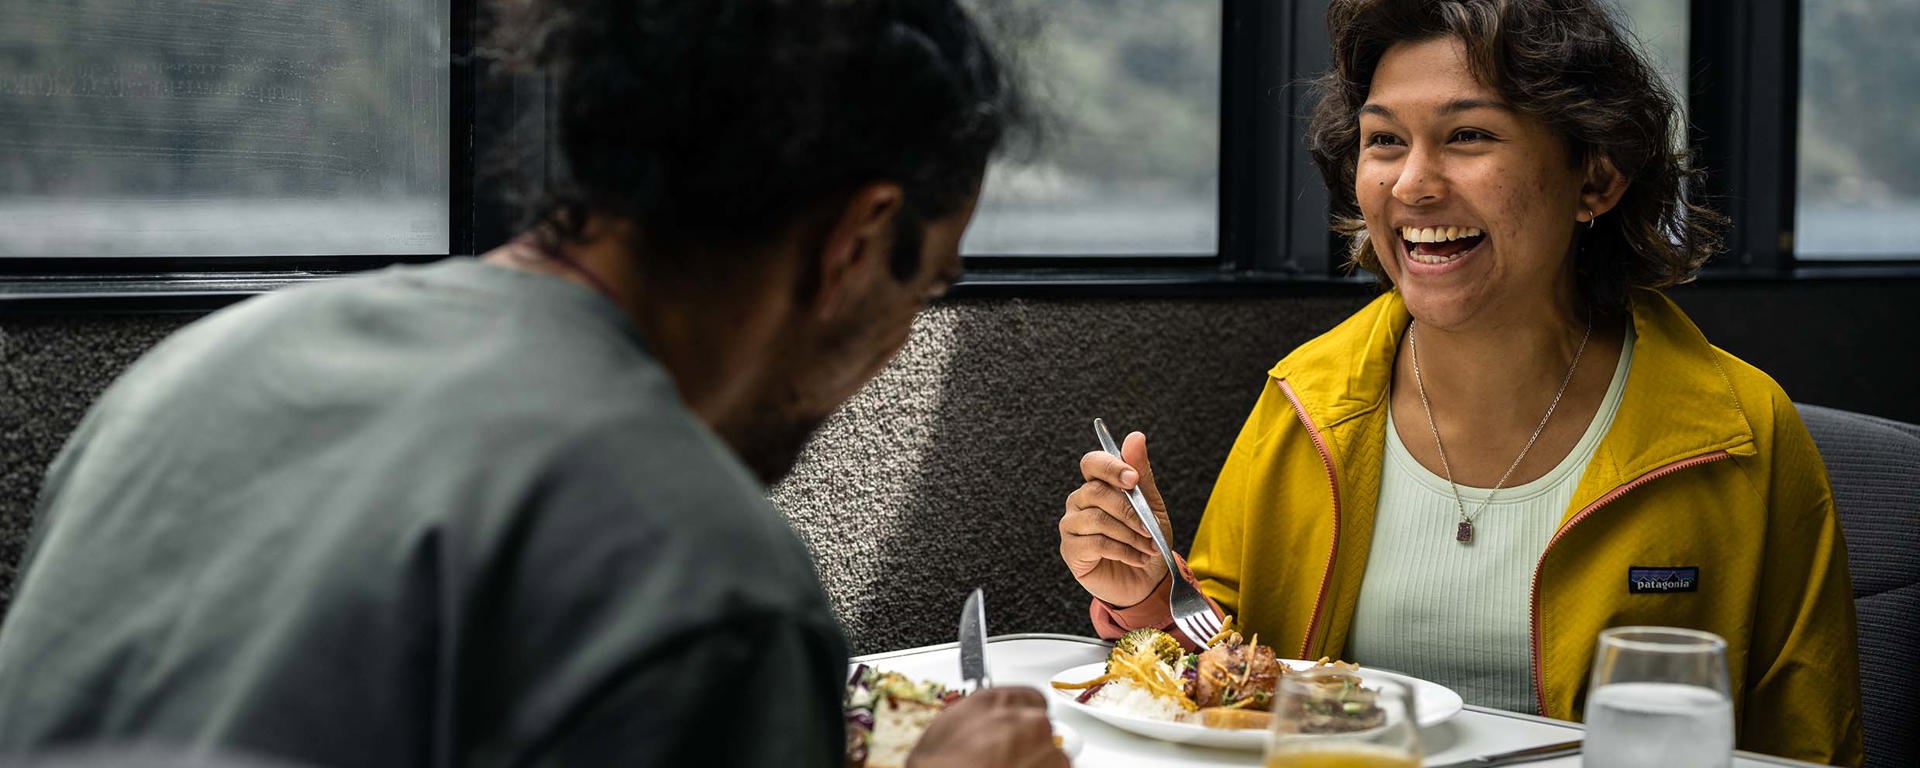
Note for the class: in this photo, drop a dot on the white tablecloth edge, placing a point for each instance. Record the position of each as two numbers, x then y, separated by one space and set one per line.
1754 756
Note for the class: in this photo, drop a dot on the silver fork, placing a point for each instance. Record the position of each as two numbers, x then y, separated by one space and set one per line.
1192 614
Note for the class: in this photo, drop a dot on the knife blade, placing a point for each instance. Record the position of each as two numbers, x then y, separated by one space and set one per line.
1528 755
973 641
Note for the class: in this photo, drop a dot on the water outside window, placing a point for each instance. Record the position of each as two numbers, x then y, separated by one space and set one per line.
224 128
1129 92
1858 192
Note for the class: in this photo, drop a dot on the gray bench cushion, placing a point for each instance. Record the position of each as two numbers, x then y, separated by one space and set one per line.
1874 465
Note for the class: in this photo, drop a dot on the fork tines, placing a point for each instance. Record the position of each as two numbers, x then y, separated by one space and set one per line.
1198 627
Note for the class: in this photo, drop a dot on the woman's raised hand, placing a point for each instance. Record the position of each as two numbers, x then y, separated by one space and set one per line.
1102 541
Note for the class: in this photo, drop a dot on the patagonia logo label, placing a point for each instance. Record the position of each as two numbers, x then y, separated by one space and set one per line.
1662 579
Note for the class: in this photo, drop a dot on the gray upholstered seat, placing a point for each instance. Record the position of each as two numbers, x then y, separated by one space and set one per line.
1874 464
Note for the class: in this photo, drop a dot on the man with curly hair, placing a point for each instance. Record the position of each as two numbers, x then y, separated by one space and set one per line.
511 510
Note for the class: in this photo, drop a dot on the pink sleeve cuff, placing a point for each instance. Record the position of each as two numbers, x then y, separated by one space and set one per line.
1110 621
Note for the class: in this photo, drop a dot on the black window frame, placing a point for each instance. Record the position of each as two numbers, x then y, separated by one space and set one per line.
1743 107
1272 232
1745 94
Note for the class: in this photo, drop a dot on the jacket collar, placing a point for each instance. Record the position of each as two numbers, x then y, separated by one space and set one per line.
1678 403
1346 371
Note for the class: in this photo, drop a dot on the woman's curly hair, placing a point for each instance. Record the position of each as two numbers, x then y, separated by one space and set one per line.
727 121
1568 64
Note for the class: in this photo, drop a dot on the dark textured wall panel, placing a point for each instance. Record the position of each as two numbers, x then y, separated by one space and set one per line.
1847 344
951 470
51 369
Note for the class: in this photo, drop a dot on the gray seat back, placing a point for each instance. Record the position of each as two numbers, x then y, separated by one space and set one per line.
1874 465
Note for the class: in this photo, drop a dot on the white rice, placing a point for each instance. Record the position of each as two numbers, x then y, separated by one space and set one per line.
1126 698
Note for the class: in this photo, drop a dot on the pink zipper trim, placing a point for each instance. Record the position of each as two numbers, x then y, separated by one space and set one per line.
1333 483
1533 611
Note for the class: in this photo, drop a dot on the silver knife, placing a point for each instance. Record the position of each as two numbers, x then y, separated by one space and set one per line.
973 641
1528 755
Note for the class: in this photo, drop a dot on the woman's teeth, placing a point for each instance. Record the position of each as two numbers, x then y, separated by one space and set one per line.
1437 234
1439 245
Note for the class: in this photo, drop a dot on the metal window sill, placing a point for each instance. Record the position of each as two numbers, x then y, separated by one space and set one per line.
187 291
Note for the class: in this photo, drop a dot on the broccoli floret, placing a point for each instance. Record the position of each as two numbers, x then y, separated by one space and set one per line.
1148 641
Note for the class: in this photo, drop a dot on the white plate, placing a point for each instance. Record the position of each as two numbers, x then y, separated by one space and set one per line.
1433 704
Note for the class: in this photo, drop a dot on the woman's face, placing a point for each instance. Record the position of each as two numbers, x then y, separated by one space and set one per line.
1470 204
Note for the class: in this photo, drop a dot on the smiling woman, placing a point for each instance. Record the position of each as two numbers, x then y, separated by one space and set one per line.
1598 102
1441 153
1458 480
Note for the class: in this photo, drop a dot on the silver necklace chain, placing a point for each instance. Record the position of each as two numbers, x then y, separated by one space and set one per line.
1463 533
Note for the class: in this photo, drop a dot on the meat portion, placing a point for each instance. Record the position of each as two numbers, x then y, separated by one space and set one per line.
1233 671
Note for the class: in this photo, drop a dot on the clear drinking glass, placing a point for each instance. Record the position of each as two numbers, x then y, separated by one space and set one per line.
1325 718
1659 696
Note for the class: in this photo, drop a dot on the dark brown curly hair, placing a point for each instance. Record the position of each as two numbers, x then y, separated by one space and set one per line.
1568 64
726 121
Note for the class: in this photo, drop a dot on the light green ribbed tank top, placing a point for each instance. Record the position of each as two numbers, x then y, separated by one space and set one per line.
1457 614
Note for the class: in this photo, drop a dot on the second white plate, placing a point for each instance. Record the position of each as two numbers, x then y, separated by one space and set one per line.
1433 704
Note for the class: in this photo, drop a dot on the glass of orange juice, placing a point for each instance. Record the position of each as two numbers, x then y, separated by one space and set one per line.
1327 718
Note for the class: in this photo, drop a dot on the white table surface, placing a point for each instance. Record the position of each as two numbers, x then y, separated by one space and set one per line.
1032 660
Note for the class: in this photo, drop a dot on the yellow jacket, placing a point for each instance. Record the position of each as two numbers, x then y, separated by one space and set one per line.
1707 465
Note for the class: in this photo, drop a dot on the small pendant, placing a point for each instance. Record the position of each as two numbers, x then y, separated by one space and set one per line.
1463 533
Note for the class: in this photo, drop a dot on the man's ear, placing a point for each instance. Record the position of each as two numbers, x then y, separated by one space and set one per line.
1604 187
858 236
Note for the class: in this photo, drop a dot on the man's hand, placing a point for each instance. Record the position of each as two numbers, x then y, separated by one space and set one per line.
993 728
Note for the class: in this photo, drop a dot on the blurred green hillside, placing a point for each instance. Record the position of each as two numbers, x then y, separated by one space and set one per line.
236 97
1128 91
1860 102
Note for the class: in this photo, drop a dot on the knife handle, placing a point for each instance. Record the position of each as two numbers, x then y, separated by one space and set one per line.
1528 755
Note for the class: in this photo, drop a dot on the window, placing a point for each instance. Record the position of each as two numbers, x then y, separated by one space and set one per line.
1128 162
191 152
1858 186
211 128
1661 26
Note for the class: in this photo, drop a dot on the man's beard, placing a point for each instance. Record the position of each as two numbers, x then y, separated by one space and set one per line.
779 425
771 444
